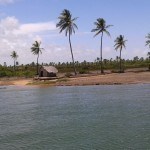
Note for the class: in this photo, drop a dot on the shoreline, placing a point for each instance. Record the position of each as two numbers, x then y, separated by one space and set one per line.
99 79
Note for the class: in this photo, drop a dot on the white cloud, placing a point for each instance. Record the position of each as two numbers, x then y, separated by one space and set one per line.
7 1
9 24
138 52
35 28
19 37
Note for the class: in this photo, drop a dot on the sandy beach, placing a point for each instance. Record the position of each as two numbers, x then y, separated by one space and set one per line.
107 79
110 79
17 82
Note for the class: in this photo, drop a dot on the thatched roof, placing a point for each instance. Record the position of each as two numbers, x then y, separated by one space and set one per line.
50 69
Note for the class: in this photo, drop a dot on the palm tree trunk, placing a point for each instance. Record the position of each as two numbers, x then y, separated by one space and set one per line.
102 71
120 61
14 65
37 68
72 55
14 68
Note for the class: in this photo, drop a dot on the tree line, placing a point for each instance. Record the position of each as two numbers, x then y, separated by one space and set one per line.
29 70
67 24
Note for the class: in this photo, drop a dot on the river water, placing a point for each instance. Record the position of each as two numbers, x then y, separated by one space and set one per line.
107 117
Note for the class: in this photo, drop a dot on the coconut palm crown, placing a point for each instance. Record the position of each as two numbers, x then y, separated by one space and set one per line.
120 44
101 28
36 50
66 24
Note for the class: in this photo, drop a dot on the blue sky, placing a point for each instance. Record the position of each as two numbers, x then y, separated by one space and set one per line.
24 21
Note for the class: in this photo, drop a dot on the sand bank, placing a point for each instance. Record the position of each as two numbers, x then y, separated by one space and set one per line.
107 79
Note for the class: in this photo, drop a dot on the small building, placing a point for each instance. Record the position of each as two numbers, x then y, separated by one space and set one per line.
47 71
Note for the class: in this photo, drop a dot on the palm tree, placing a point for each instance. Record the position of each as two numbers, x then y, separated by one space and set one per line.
101 27
119 44
148 54
148 44
66 23
117 58
14 57
36 50
148 40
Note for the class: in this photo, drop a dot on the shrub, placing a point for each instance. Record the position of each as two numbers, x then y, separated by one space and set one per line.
2 73
82 71
68 74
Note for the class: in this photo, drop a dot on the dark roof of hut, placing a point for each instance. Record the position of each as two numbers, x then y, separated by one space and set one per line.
50 69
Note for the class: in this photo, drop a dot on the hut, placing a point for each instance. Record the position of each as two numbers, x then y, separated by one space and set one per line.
47 71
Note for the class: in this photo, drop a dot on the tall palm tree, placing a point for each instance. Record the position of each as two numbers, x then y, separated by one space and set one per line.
101 28
119 44
148 40
148 44
36 50
66 23
14 57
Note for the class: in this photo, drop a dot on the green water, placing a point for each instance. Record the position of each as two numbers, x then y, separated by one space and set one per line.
113 117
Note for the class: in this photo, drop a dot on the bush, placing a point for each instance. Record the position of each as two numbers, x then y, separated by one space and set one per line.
68 74
149 67
6 73
82 71
28 74
2 74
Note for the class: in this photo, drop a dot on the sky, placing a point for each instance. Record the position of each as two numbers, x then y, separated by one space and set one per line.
24 21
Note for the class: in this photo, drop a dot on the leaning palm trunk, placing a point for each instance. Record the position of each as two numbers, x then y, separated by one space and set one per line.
72 56
102 71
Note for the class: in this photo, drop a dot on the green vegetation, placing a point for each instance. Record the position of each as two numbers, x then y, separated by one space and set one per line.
67 23
84 67
21 71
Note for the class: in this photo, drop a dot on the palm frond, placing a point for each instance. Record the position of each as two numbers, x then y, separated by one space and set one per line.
120 42
66 23
107 32
117 47
94 30
108 26
97 33
148 40
14 55
101 27
35 49
75 25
